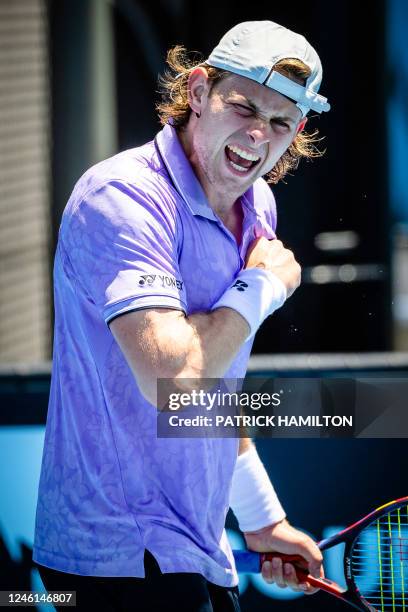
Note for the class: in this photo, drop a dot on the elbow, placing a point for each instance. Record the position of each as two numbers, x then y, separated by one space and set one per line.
158 387
157 384
149 392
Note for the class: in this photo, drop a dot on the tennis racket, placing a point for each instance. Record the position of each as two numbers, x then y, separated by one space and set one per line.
375 561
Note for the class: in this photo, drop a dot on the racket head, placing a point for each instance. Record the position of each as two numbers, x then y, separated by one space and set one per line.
376 559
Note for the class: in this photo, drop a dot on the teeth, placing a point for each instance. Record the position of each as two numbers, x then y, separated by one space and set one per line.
240 168
244 154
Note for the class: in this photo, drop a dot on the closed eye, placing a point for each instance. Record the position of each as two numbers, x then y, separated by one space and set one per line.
280 123
244 110
247 111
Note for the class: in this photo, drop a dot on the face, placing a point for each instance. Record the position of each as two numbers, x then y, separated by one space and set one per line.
243 130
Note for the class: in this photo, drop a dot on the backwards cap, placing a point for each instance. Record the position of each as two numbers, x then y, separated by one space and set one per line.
252 48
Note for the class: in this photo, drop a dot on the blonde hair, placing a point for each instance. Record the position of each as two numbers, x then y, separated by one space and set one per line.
174 105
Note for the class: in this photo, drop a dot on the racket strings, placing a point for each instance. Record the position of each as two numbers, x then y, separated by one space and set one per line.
379 562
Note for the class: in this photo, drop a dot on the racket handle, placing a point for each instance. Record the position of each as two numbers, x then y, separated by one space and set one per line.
326 585
247 561
251 562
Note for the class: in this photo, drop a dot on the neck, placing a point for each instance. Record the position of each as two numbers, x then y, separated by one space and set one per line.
221 203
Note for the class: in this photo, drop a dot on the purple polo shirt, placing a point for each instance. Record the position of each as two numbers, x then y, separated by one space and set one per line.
137 232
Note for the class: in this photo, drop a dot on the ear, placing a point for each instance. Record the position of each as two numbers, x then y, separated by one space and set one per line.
198 87
301 125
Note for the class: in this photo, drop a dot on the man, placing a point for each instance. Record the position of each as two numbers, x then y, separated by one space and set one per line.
152 244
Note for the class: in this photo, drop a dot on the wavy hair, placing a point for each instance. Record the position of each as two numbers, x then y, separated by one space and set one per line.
174 105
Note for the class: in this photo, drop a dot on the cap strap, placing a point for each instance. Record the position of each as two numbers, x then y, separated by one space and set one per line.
306 98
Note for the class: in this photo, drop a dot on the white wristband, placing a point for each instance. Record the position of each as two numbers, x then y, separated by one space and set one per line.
253 499
255 294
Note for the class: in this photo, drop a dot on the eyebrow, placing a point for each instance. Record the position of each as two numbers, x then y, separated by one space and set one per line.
257 110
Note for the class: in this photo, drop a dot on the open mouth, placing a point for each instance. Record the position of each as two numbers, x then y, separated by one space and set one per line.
241 160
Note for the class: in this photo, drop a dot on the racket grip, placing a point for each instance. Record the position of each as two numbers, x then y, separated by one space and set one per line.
251 562
247 561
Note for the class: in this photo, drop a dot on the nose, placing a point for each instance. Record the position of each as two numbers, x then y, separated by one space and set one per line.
259 132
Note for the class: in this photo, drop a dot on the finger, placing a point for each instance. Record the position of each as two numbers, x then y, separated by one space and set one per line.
277 572
267 571
252 247
315 568
309 589
293 581
313 557
321 571
272 572
290 576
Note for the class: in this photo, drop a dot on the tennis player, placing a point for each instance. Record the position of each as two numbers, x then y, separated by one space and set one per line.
167 263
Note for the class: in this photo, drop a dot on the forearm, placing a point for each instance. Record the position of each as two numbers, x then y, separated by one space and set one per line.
207 342
244 445
214 340
168 345
163 343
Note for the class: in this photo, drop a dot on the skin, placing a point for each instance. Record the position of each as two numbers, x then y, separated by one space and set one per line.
238 112
163 343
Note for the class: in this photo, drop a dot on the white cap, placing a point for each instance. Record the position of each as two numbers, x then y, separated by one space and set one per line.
252 48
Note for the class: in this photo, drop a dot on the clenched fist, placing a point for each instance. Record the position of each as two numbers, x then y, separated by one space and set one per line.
273 256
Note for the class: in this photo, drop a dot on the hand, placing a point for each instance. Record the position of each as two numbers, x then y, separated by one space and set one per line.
283 538
271 255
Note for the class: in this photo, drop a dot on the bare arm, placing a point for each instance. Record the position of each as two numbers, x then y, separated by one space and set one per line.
244 445
163 343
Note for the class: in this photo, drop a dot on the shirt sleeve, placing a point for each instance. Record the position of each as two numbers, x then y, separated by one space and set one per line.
120 245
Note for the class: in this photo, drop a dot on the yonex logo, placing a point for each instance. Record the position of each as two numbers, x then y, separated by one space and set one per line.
240 285
147 279
348 567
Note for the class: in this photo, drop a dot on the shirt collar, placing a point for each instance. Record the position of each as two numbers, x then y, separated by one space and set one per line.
184 178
